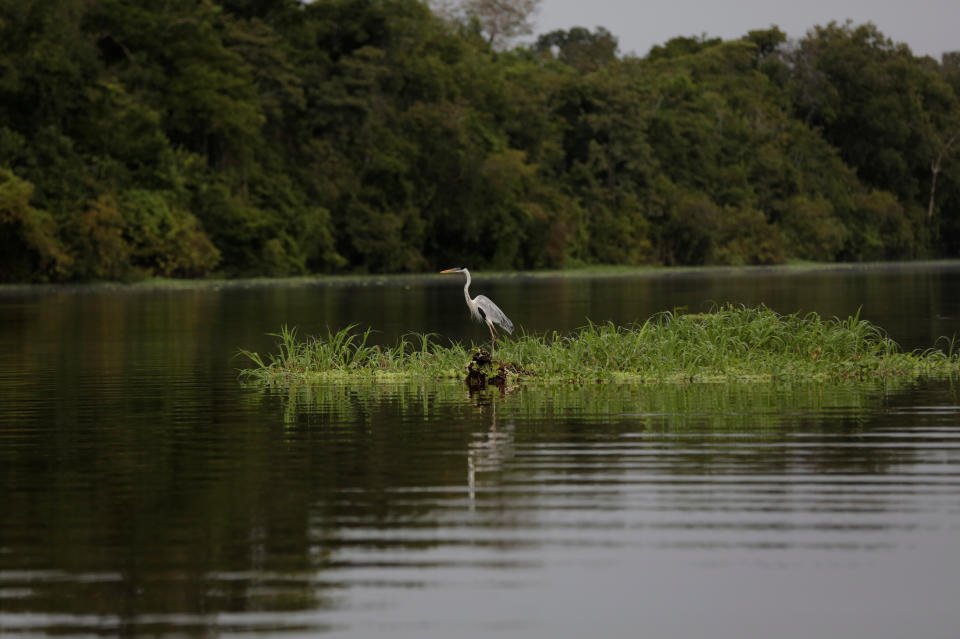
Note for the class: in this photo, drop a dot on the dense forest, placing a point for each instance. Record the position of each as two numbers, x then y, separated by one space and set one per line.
188 138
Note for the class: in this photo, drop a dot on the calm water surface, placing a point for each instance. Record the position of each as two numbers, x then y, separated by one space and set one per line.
144 491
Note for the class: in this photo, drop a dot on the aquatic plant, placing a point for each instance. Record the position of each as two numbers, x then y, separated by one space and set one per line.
346 353
731 343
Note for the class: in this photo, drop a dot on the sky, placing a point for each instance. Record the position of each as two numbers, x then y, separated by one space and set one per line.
929 27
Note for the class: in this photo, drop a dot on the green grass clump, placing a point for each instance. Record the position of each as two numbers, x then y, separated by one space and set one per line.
346 354
732 343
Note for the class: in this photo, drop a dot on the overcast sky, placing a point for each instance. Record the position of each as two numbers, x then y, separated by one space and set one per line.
929 27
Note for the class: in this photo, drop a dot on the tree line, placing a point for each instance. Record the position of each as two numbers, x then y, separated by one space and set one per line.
252 137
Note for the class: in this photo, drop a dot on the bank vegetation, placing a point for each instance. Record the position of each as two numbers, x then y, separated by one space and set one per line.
243 138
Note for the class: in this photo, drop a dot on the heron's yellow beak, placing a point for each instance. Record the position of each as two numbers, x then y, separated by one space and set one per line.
449 270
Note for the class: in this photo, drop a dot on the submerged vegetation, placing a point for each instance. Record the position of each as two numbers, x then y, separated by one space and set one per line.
728 344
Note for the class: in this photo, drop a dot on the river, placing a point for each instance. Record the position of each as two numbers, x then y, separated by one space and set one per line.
146 491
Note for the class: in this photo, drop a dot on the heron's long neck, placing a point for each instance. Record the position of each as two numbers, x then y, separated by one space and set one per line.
466 287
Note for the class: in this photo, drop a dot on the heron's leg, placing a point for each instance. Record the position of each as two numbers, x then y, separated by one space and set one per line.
493 336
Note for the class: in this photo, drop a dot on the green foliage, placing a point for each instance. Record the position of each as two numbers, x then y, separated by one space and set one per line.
100 237
682 46
891 116
812 229
733 343
165 240
767 41
284 138
579 48
29 244
345 353
883 230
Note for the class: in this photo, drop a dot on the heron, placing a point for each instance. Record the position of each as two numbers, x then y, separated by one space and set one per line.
483 309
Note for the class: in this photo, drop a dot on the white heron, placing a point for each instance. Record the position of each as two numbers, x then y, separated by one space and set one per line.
483 309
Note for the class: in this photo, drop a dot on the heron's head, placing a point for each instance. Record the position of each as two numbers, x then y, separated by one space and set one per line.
456 269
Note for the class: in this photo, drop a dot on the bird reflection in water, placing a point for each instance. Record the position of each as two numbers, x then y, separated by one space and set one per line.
491 449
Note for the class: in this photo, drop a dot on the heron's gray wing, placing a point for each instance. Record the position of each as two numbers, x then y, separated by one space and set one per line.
492 312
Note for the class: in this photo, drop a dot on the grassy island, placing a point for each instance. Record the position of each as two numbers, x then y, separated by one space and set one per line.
729 344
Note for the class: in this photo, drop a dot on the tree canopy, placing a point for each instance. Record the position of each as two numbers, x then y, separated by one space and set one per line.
242 137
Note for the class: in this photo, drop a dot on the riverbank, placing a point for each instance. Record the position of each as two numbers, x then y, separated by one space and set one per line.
599 271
